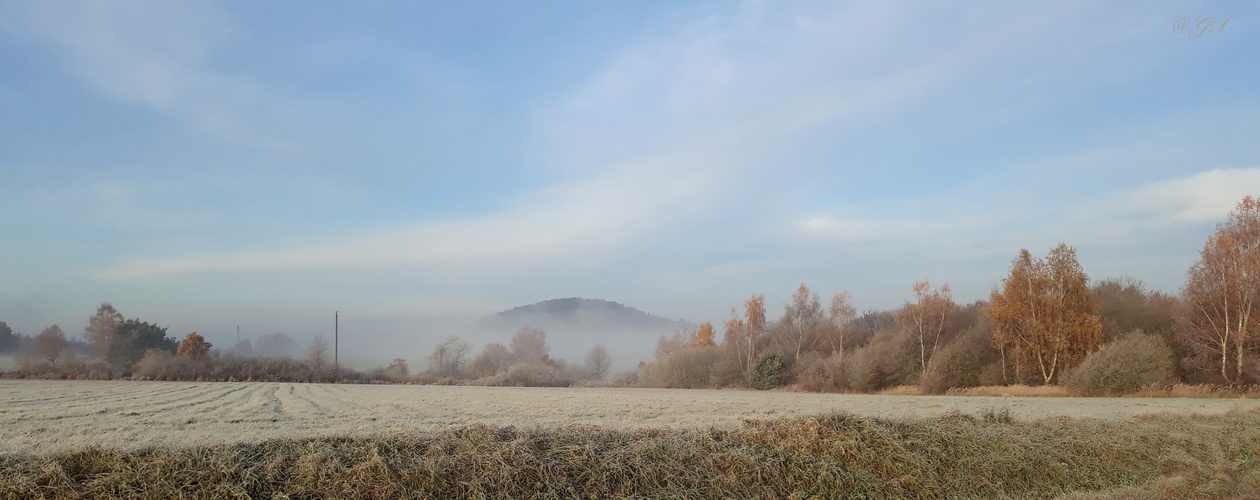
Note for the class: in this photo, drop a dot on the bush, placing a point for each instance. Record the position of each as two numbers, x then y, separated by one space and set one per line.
818 373
766 373
968 361
686 368
890 359
1123 366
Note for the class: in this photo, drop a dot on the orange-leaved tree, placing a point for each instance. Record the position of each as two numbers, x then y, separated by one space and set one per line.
1222 288
194 346
704 336
1043 317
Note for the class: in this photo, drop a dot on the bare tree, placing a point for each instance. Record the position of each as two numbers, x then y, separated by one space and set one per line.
925 319
494 358
50 343
598 361
743 335
448 357
317 352
798 332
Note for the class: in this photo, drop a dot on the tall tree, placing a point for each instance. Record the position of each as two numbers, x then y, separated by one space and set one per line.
1222 288
50 343
494 358
926 318
841 315
317 352
1043 317
101 327
753 329
529 344
798 331
8 341
598 361
448 357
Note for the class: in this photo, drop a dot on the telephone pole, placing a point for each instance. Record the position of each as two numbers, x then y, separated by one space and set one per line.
238 334
337 340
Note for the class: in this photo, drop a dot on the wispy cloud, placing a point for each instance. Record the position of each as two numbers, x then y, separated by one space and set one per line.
1202 197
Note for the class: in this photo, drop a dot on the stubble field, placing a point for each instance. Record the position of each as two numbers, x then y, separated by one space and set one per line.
43 417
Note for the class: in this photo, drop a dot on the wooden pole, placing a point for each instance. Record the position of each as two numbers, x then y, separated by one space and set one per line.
337 340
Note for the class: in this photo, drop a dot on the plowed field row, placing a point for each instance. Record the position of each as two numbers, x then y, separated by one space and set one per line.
48 416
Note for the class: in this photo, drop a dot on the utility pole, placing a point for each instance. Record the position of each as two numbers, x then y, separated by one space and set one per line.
337 340
238 334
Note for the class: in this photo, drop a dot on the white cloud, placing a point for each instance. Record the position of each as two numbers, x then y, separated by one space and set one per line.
1202 197
835 230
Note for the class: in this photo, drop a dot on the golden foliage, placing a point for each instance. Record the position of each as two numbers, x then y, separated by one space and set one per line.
1043 318
704 336
194 346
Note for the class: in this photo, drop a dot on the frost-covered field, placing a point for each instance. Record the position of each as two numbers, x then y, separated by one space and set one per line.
47 416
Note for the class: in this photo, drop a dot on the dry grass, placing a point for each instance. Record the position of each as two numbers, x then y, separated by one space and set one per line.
1013 390
903 390
835 455
1199 391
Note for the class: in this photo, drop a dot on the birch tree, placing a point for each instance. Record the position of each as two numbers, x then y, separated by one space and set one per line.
1221 289
1043 317
926 318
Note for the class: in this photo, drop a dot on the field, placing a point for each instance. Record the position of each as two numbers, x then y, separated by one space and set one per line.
43 417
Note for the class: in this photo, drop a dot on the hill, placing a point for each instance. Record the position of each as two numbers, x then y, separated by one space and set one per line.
576 312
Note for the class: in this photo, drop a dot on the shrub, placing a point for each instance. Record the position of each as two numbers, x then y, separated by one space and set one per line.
398 368
767 371
818 373
890 359
685 368
1123 366
963 362
534 375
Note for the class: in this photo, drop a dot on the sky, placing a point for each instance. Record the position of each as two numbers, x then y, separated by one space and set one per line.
418 165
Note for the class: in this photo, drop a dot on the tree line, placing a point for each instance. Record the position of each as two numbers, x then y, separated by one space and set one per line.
1045 325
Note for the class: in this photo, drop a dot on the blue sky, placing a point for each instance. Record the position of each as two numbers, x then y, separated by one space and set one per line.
415 165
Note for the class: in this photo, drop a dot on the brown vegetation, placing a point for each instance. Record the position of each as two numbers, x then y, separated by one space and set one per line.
193 346
830 456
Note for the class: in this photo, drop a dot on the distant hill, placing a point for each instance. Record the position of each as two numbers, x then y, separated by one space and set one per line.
575 312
